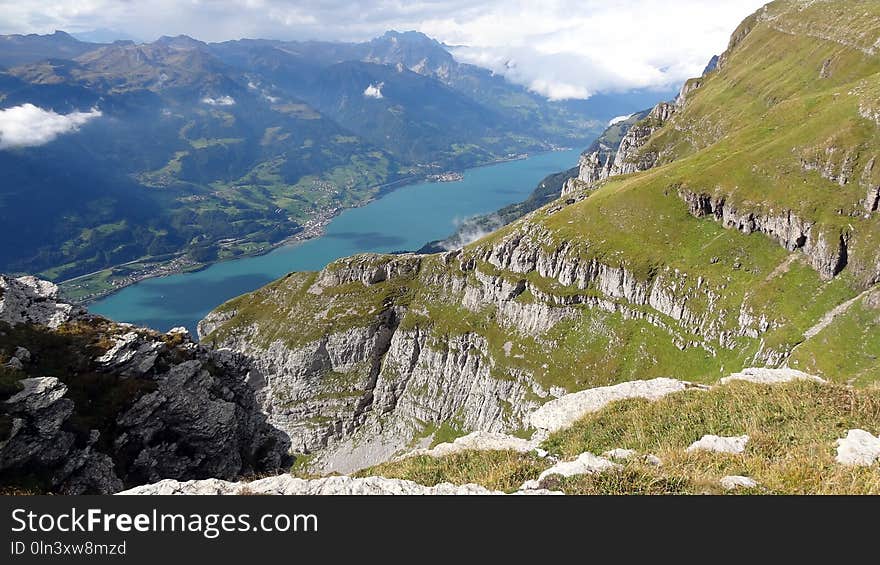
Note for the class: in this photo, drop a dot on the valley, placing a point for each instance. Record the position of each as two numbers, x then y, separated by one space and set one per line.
402 220
690 305
192 152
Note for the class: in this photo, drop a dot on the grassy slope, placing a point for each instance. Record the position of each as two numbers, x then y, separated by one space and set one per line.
743 133
791 450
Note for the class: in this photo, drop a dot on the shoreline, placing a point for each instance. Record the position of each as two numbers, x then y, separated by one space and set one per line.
312 229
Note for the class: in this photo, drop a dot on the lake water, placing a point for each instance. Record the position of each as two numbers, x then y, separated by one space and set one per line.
405 219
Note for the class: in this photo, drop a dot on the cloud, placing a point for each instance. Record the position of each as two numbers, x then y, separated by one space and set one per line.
374 91
221 101
559 48
28 125
470 230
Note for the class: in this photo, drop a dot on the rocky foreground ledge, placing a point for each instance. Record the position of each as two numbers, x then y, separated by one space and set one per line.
91 406
286 484
858 449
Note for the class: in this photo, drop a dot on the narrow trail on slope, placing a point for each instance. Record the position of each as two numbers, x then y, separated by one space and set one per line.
832 314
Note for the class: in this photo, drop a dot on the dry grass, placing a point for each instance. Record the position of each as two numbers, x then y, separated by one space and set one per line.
793 428
496 470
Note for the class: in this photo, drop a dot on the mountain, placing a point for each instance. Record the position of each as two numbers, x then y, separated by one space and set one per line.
700 316
736 227
22 49
180 152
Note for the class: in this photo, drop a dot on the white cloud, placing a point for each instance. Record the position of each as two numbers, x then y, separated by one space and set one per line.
374 91
560 48
619 119
221 101
28 125
569 50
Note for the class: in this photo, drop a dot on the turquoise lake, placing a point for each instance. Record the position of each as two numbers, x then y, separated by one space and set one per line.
405 219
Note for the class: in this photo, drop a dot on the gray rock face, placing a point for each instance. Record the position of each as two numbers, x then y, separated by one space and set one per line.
827 253
594 167
387 384
628 157
29 300
686 90
145 407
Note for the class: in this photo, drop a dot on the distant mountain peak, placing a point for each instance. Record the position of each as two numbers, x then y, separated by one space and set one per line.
180 42
413 50
410 38
104 35
711 65
409 34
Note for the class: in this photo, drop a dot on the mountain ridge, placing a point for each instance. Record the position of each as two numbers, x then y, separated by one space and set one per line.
215 138
734 248
572 295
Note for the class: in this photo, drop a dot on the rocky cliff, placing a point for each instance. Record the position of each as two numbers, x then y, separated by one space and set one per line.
634 278
90 406
623 153
627 157
758 431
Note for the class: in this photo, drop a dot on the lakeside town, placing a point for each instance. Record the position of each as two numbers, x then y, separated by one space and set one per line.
91 287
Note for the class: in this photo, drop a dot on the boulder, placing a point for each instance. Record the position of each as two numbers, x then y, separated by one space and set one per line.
858 448
720 444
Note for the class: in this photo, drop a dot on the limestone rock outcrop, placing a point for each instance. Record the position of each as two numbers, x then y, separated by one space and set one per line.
29 300
827 253
733 482
563 412
858 448
720 444
288 485
94 407
627 156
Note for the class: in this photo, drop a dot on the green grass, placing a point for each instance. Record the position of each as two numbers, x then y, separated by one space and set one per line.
849 346
792 429
753 133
